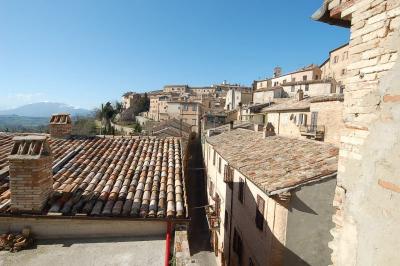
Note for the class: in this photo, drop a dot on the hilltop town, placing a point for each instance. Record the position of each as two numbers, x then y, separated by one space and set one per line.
298 168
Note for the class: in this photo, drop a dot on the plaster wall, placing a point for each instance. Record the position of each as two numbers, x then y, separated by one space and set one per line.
45 228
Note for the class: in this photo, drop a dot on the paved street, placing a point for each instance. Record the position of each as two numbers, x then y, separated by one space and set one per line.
199 238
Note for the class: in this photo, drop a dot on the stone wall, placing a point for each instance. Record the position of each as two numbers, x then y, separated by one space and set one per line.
368 192
330 115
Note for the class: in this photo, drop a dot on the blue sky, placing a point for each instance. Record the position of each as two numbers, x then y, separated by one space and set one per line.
86 52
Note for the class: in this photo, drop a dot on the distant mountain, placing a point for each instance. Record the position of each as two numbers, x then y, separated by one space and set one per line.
45 109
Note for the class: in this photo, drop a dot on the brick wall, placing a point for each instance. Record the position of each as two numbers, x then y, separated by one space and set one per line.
367 216
60 125
31 174
60 130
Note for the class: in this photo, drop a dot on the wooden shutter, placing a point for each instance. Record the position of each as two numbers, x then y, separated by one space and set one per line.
260 212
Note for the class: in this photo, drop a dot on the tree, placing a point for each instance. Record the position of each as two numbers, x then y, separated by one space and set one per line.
105 114
137 128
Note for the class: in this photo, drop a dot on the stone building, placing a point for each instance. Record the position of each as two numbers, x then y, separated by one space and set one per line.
335 66
189 112
260 214
368 185
175 88
235 98
311 72
129 99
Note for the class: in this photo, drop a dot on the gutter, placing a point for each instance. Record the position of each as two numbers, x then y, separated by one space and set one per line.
167 244
283 190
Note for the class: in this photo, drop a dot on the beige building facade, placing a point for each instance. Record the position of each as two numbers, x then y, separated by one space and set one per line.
249 224
335 67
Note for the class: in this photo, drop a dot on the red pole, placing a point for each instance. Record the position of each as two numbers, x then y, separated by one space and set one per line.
168 244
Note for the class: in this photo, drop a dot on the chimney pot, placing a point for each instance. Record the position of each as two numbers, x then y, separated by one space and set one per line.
30 163
60 126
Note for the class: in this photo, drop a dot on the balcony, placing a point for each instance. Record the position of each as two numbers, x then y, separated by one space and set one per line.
316 132
213 219
228 174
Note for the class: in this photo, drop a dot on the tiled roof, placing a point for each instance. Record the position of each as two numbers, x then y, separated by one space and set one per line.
275 163
288 104
111 177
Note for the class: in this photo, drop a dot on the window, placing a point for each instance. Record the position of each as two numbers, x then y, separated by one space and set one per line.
260 213
241 187
336 59
345 55
307 87
226 220
194 107
219 164
302 120
305 77
211 188
214 157
237 245
293 79
194 122
316 76
314 120
343 71
292 89
284 81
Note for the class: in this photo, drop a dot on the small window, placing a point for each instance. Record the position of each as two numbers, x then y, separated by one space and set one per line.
304 77
226 220
307 87
316 77
293 79
260 213
211 189
336 59
185 107
284 81
292 89
241 188
343 71
214 157
194 122
219 164
194 107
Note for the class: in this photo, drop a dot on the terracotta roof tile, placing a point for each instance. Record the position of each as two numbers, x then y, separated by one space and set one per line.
112 177
276 162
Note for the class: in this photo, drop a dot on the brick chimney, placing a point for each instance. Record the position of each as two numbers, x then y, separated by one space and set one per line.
300 95
230 125
31 177
268 130
60 125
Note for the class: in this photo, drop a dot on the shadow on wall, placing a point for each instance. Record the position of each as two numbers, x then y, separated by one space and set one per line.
259 246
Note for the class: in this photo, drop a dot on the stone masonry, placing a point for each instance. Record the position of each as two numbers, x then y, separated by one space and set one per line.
368 189
60 126
31 178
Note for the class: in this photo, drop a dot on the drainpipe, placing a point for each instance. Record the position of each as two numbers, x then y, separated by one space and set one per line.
167 244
